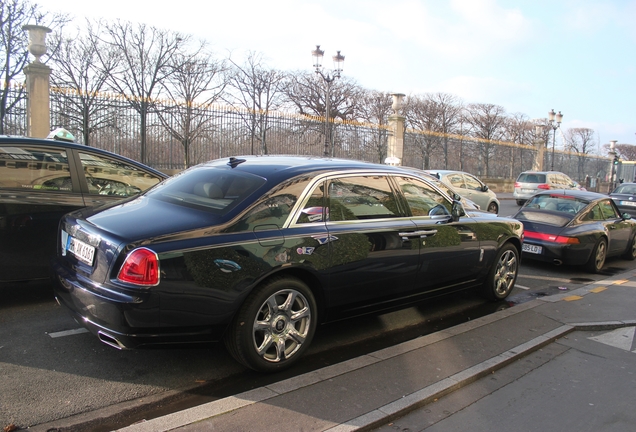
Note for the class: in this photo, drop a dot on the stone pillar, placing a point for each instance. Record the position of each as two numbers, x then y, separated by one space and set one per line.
38 84
395 147
537 164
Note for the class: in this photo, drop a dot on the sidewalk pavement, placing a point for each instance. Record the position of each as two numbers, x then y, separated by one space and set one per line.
372 390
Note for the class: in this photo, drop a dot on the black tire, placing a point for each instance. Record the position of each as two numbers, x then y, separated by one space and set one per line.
630 253
493 208
275 325
597 259
503 274
520 202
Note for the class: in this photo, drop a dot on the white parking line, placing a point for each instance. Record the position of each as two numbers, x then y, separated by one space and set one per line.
545 278
68 333
521 287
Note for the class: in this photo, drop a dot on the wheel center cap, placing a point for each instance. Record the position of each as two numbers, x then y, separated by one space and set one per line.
279 324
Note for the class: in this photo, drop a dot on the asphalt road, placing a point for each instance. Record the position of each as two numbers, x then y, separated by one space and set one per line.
51 369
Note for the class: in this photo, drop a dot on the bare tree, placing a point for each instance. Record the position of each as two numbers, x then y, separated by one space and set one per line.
259 90
196 82
448 112
519 130
306 92
14 14
626 151
582 142
376 107
487 123
420 113
82 74
145 56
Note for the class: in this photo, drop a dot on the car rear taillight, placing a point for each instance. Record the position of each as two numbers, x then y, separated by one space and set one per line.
517 185
551 237
543 186
141 267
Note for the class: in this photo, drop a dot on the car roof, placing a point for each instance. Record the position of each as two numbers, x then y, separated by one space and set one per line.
275 166
21 140
542 172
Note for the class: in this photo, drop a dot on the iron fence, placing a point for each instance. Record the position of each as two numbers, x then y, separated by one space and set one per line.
110 122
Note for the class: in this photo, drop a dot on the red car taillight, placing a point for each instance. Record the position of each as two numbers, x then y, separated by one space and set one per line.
517 185
141 267
544 186
551 237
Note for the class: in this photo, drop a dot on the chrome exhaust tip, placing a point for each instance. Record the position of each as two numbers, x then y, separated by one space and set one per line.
111 341
558 262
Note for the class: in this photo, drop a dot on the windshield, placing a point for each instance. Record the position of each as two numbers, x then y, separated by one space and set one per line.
626 189
213 189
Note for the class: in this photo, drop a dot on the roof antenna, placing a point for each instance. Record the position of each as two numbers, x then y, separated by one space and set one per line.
234 162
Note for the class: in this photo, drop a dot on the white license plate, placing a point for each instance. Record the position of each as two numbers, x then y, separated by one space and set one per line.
84 252
527 190
628 203
532 248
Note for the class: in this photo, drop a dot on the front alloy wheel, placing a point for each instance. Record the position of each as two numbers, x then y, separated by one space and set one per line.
274 326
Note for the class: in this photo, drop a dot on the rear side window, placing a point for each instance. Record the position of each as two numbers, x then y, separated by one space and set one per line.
106 176
41 169
531 178
360 198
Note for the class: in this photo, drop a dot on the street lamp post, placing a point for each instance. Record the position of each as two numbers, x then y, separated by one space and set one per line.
554 125
613 154
328 78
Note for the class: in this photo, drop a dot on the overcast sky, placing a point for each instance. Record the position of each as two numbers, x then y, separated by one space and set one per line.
529 56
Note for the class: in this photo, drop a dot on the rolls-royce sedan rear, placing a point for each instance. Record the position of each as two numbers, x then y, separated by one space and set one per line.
256 251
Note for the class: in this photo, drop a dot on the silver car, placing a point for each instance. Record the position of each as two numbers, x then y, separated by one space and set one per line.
469 187
530 182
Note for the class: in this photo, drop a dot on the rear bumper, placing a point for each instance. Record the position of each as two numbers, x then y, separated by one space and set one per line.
120 320
560 254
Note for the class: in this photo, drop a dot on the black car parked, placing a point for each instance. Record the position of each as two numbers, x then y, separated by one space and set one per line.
258 250
40 181
577 228
624 197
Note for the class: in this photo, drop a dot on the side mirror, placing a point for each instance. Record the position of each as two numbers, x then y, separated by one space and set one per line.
485 188
457 211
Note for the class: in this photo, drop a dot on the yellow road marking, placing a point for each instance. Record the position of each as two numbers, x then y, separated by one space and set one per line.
572 298
598 289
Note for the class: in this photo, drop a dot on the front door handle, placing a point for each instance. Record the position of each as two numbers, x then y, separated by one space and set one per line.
420 234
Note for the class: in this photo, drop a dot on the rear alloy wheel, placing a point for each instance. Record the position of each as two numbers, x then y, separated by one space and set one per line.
493 208
503 274
274 326
630 253
597 259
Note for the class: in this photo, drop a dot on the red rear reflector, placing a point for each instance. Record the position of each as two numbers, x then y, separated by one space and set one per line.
551 237
141 267
544 186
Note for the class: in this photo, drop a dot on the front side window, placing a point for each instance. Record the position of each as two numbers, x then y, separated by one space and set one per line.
422 199
106 176
609 212
472 183
361 198
41 169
